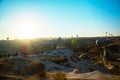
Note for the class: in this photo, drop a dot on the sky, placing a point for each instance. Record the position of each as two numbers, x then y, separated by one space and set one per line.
54 18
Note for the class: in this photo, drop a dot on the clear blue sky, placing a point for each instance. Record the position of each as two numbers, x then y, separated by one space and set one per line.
61 17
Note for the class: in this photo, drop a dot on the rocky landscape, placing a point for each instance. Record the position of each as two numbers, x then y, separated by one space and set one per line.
18 67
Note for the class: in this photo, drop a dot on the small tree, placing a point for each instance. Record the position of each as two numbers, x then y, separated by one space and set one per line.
74 42
7 38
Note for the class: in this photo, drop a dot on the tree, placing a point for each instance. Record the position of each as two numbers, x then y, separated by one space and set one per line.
7 38
74 42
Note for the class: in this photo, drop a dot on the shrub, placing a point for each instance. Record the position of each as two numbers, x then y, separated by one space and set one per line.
35 67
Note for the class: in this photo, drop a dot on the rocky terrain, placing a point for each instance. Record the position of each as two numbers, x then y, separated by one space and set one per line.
64 60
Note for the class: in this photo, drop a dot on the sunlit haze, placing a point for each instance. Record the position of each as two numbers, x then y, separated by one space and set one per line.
21 19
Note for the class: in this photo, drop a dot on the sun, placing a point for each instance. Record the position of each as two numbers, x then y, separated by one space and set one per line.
27 32
27 26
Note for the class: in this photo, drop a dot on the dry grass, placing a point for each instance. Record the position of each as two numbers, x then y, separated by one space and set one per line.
115 79
57 76
116 69
42 74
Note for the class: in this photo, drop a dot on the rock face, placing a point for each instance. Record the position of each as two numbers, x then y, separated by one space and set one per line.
95 75
70 62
